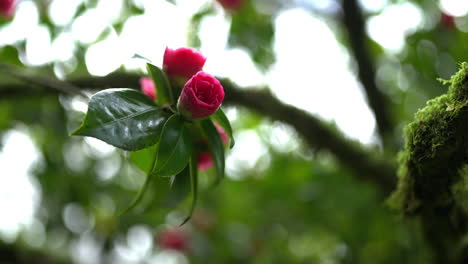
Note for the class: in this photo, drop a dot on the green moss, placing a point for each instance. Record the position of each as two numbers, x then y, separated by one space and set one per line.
459 88
435 150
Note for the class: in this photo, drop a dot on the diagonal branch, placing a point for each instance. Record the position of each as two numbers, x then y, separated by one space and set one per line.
354 23
365 165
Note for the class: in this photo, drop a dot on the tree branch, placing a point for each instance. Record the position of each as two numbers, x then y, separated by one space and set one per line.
365 165
354 23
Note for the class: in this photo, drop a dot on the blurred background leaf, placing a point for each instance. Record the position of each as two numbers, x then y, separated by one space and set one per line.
281 201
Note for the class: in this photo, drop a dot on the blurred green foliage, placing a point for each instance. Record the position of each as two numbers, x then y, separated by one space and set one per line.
291 206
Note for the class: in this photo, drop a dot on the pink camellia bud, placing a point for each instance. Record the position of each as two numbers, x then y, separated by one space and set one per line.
182 63
231 5
7 8
201 96
175 239
204 159
148 87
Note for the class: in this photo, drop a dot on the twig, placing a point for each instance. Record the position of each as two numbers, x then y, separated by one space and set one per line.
354 23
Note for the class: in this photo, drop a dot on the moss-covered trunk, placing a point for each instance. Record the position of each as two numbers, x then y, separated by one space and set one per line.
431 179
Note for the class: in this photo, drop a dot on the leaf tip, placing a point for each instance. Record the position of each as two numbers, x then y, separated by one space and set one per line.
138 56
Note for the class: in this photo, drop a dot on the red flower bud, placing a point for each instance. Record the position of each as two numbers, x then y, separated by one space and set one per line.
231 5
148 87
447 21
204 159
182 63
201 96
175 239
7 8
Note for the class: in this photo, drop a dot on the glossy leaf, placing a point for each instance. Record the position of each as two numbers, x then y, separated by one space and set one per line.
163 87
124 118
215 145
175 147
193 166
143 159
220 118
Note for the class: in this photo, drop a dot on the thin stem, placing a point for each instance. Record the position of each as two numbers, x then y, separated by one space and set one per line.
354 24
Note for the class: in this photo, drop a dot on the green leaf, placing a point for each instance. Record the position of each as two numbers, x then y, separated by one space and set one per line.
138 56
143 159
220 118
163 87
215 144
124 118
175 147
9 54
193 165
